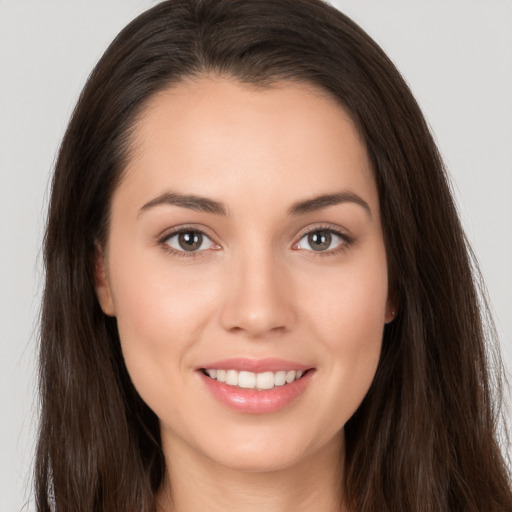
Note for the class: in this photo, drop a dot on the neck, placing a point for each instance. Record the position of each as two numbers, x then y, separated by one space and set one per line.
197 483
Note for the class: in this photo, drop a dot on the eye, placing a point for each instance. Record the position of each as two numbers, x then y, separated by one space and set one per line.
189 240
321 240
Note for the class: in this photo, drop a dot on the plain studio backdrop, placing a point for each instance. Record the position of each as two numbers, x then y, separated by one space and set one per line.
455 54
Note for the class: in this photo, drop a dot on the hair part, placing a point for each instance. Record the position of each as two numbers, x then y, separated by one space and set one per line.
424 438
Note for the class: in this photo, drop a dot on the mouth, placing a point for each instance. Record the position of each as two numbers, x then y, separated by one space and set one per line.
262 381
256 386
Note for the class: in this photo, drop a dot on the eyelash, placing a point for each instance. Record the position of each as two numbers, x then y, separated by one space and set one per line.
347 241
164 239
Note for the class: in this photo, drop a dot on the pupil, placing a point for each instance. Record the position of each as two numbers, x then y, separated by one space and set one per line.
320 240
190 240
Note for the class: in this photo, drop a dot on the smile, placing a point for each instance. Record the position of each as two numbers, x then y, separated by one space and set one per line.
250 380
256 386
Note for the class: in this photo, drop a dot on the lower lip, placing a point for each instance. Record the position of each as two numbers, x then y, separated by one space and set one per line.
257 402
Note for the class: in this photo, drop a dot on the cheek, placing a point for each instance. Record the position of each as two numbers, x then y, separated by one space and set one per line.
160 313
348 320
155 301
351 302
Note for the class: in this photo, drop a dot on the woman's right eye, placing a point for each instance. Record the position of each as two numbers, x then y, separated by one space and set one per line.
189 240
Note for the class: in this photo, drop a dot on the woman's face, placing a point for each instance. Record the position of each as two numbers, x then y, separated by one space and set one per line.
245 242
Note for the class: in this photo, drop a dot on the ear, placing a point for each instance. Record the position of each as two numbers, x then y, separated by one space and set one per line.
101 281
391 308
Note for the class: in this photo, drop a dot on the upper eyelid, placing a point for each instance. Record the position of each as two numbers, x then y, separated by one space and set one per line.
322 227
169 232
173 234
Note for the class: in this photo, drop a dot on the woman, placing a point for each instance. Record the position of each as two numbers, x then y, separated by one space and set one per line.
258 293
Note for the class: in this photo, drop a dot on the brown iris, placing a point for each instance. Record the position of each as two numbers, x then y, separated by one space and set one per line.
320 240
190 240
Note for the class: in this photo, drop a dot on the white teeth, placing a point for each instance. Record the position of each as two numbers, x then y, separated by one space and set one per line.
212 373
232 377
247 380
265 380
250 380
290 376
280 378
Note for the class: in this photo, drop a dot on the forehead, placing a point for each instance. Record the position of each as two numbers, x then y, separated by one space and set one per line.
216 137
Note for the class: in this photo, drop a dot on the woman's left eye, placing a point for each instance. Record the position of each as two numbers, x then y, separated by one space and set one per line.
321 240
189 240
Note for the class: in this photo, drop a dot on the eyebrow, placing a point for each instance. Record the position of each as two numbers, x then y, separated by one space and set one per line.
206 205
325 200
192 202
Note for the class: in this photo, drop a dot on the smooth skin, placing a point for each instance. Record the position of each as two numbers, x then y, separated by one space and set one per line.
258 283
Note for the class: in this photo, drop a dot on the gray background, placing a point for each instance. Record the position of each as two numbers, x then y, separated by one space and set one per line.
455 54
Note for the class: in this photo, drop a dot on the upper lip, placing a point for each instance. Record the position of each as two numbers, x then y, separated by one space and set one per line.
254 365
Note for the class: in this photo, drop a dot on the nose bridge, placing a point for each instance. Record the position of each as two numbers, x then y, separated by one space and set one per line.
257 299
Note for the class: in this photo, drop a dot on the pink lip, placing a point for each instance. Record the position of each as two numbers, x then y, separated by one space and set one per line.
255 365
252 401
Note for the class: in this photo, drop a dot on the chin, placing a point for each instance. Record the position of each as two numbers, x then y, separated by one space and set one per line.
270 453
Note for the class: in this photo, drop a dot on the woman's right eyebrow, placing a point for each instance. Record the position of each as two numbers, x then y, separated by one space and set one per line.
190 201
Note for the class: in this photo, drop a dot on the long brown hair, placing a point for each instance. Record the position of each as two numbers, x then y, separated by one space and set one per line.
424 438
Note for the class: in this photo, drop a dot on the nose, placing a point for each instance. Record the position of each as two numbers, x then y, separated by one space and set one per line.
259 297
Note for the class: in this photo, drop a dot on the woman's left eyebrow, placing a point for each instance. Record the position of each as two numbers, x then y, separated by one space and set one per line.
325 200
